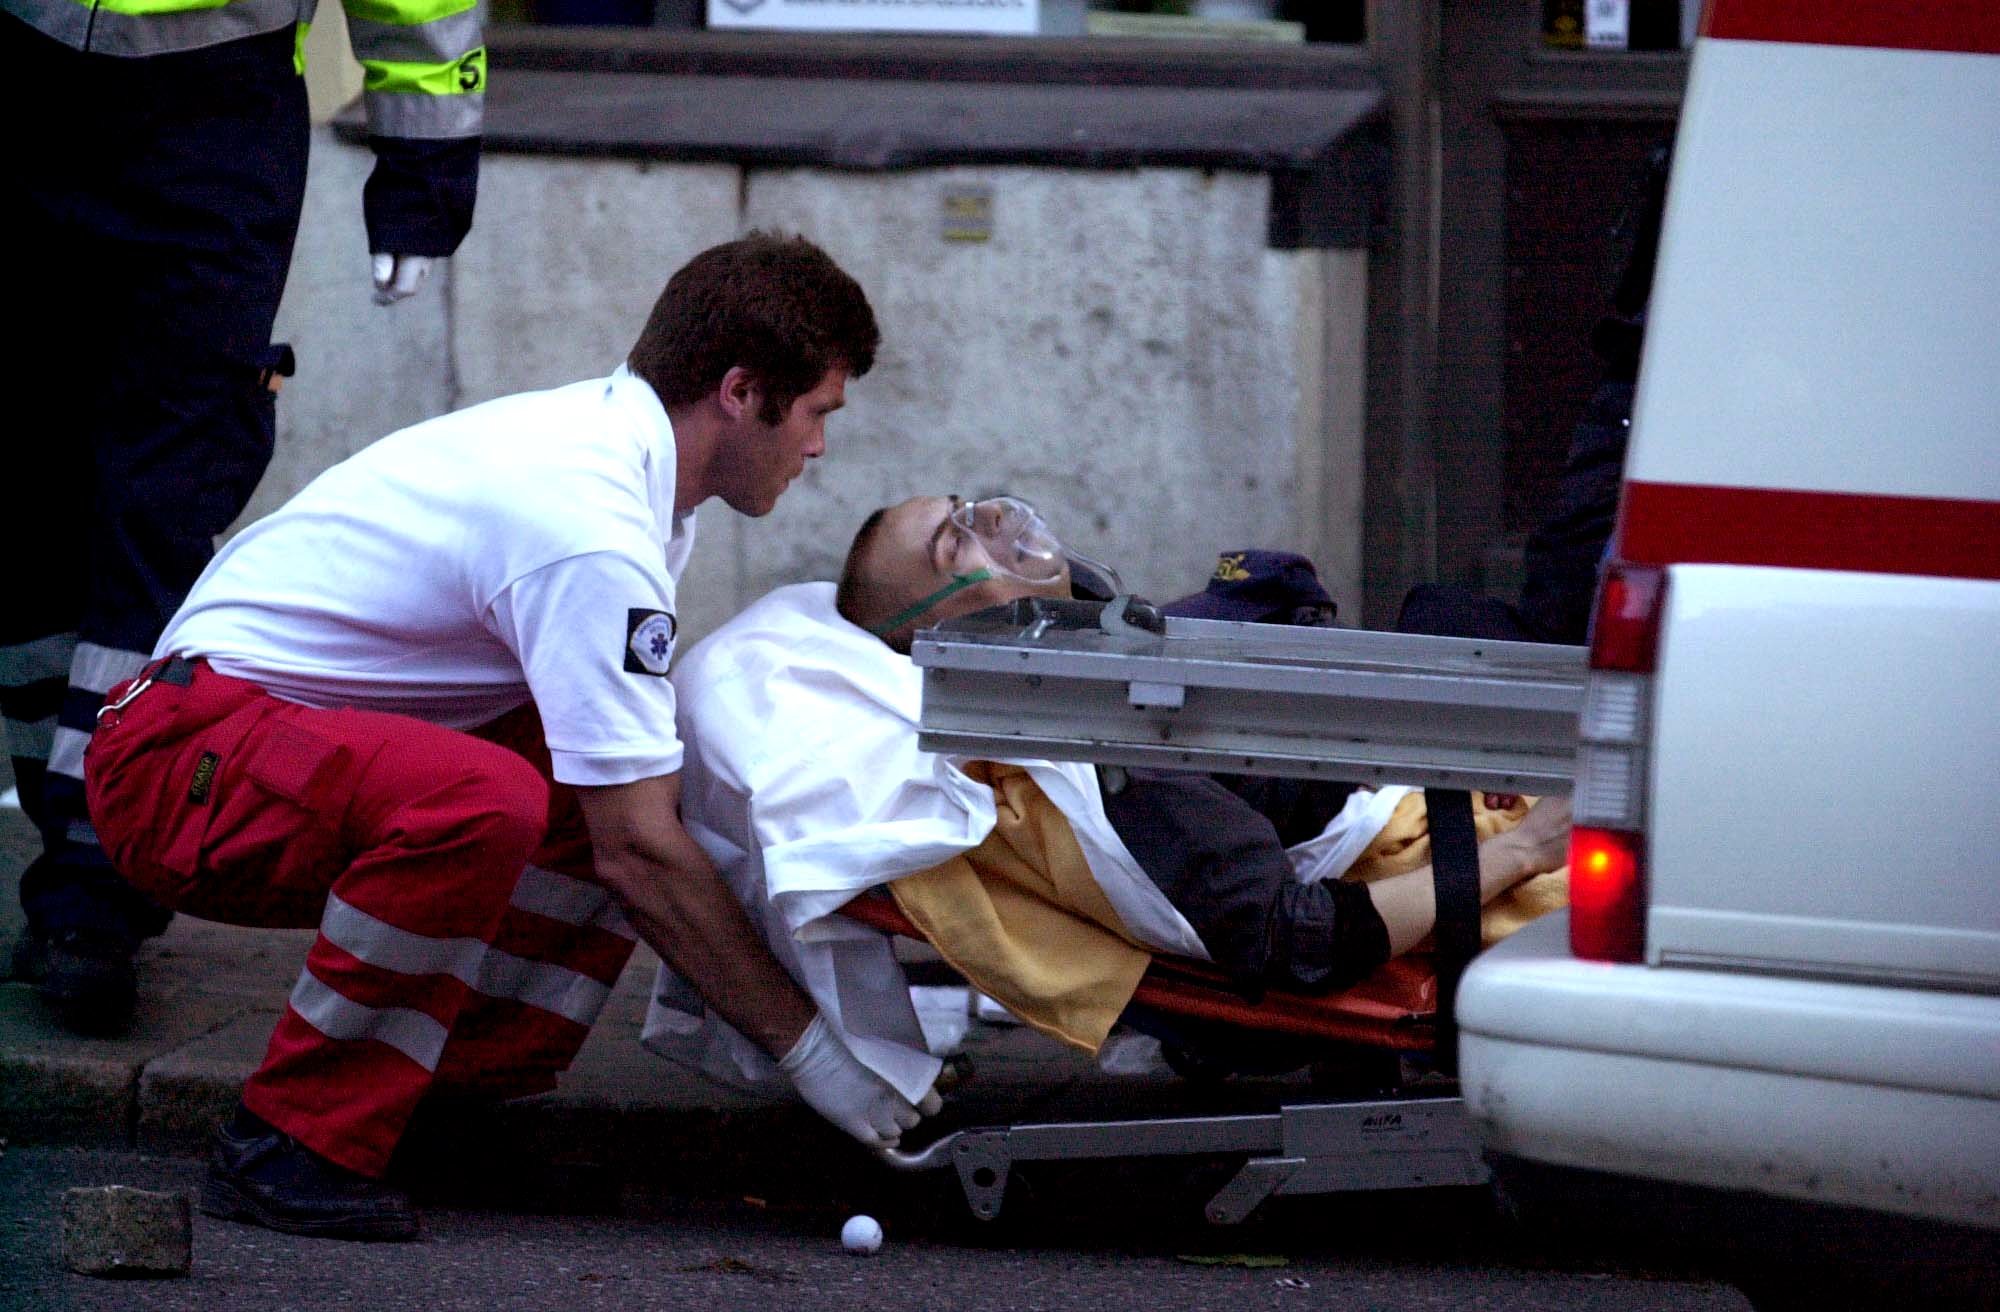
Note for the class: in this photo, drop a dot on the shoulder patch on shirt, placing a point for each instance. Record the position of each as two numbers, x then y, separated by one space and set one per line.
649 641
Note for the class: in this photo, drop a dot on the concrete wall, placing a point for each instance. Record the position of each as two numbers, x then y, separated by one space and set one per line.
1124 350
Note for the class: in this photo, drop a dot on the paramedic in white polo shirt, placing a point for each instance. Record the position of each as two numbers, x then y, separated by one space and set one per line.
423 707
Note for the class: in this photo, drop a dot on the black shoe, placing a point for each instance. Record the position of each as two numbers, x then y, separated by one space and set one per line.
86 978
31 958
261 1175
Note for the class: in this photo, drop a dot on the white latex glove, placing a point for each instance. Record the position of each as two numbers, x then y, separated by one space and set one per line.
399 276
847 1093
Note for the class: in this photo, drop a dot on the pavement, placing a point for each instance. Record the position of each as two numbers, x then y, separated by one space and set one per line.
737 1255
209 995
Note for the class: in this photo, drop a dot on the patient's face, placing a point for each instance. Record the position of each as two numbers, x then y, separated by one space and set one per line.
920 550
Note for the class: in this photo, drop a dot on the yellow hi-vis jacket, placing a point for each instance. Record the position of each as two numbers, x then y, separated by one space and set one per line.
423 61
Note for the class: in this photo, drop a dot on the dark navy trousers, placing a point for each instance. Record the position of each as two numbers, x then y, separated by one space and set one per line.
158 200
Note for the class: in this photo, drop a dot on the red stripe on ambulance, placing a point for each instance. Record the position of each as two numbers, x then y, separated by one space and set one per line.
1679 523
1965 26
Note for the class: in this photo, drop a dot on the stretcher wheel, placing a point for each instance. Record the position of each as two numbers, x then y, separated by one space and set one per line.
1355 1070
1206 1052
1194 1065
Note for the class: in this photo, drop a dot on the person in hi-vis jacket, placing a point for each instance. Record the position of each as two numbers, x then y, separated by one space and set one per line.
159 151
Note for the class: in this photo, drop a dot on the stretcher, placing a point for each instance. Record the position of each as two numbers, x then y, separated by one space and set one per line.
1119 685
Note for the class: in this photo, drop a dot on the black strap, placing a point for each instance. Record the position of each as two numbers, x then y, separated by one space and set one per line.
1455 879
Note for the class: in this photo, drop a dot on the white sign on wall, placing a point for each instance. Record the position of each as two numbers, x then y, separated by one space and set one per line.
1004 16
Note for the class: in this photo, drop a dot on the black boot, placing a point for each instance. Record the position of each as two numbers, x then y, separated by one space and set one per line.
259 1174
86 978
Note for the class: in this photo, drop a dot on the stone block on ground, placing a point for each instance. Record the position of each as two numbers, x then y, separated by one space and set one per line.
116 1230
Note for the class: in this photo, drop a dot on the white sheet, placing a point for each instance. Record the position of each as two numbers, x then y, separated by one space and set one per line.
804 783
1347 835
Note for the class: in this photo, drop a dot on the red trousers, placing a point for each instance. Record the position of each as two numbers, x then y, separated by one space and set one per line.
462 942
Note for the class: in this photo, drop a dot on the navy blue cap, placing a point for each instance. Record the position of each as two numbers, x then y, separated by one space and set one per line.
1259 587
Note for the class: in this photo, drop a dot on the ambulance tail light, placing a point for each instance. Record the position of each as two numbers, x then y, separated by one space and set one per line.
1607 895
1608 844
1626 628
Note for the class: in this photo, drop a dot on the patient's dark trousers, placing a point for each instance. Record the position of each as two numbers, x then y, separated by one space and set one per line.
1215 846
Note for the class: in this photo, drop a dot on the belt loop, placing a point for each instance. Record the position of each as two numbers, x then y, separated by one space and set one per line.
176 672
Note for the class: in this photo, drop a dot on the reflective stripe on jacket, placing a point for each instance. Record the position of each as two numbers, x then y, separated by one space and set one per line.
423 61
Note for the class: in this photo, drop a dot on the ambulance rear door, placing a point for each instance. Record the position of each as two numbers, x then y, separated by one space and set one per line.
1814 761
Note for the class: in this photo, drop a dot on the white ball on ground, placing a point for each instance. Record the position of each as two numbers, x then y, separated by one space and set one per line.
861 1234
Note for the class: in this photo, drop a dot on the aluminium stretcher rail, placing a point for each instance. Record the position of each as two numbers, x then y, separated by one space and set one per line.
1047 680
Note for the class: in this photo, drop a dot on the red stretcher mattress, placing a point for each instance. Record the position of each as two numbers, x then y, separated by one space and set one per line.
1396 1007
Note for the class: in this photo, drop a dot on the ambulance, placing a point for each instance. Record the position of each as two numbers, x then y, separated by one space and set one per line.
1780 973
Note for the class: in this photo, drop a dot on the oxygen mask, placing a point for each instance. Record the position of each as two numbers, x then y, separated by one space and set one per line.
998 537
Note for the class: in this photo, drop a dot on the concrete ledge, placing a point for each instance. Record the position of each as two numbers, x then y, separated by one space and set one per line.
186 1093
899 124
66 1099
1100 61
59 1088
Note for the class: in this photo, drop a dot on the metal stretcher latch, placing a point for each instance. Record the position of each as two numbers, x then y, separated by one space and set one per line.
982 1164
980 1157
1128 616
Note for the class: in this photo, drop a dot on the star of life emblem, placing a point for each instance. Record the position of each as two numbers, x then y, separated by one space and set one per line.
649 641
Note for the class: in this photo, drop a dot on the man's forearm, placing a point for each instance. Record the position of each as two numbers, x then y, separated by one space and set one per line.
681 906
695 923
684 910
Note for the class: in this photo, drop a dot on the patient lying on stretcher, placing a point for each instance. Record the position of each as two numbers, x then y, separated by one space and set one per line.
1047 886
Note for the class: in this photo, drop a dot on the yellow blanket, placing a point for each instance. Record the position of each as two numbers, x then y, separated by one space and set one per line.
1405 843
1022 918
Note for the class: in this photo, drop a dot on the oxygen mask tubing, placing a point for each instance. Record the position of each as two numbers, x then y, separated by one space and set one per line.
996 537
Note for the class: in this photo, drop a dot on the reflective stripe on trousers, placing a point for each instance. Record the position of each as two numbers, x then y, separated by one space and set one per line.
442 955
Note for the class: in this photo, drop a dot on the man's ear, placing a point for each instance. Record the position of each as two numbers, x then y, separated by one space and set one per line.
740 393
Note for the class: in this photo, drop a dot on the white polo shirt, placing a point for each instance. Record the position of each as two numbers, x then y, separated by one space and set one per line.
523 549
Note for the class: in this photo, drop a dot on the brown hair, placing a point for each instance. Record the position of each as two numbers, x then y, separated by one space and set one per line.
779 306
863 601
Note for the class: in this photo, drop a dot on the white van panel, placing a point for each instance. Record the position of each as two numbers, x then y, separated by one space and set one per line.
1824 787
1826 304
1530 990
1835 1093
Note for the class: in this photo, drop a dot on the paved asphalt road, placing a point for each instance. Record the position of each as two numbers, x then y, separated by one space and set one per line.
1405 1254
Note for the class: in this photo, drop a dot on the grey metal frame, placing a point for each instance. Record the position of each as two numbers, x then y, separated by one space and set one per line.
1309 1148
1260 699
